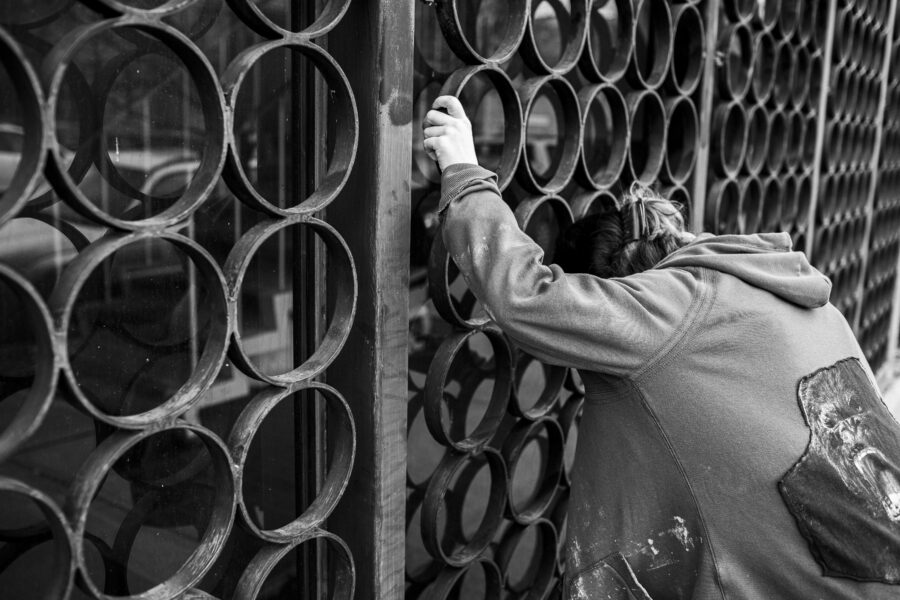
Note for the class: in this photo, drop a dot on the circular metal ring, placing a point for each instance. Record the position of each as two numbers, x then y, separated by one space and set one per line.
93 473
751 205
436 383
450 577
526 210
784 74
439 486
757 139
212 103
342 273
342 450
647 107
609 42
723 207
769 13
789 18
804 202
800 85
513 122
740 11
37 402
256 19
28 89
682 139
73 279
590 202
454 33
522 434
574 28
571 134
796 134
541 575
555 377
688 49
777 145
61 574
735 45
771 209
442 271
117 8
603 113
807 22
347 133
652 21
729 144
763 76
264 562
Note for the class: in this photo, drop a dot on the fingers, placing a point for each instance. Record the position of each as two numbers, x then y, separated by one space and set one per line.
452 104
436 117
435 130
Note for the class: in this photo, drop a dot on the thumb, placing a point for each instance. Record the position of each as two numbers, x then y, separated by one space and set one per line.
452 104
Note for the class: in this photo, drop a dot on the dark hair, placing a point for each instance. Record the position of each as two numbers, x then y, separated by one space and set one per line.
602 243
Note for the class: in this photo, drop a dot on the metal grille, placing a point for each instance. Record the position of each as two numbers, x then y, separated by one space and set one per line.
146 317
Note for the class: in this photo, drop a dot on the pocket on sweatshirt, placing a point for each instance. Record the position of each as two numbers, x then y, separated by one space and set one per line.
610 578
844 492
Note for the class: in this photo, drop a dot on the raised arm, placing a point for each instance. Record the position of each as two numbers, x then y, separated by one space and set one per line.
610 325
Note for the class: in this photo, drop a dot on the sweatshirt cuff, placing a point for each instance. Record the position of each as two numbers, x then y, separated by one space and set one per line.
460 178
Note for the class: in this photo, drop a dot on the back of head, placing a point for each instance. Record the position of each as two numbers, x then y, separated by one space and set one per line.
622 241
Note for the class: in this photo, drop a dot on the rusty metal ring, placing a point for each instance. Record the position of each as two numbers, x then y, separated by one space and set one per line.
587 203
740 11
451 25
789 202
555 376
784 74
757 139
431 569
442 271
771 208
661 33
762 80
538 584
688 49
729 143
342 272
256 20
65 295
436 382
37 402
570 132
607 172
523 433
264 562
63 575
800 86
610 70
574 29
789 18
735 45
347 134
28 89
777 146
449 577
527 208
723 207
435 494
682 139
646 167
569 420
512 107
213 106
751 205
341 443
92 474
117 8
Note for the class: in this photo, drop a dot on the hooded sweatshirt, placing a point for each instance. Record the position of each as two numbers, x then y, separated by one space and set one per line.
732 443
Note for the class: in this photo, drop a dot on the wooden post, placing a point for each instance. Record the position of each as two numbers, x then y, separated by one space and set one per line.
374 45
821 119
876 159
706 109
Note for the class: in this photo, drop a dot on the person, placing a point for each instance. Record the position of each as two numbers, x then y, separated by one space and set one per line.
733 443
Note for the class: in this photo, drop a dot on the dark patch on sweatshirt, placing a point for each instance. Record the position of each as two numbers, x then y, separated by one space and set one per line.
845 490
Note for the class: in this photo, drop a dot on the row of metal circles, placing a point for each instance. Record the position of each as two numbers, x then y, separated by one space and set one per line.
842 196
752 205
50 321
68 528
220 158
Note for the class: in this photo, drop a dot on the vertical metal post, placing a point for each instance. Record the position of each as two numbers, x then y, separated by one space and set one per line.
706 109
373 215
891 362
821 119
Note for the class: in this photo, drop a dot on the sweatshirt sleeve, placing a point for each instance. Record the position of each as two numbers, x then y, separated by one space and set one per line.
578 320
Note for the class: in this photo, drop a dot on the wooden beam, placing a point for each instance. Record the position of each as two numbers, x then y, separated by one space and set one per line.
705 108
373 215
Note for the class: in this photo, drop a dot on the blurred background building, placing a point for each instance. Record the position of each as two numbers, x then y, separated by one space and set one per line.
235 359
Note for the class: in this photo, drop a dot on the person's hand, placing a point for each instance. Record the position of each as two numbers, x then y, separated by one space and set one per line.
448 135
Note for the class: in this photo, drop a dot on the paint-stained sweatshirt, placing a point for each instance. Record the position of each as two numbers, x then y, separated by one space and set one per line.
732 445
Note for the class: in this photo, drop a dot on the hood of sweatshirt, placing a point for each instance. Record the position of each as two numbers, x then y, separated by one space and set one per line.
764 261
